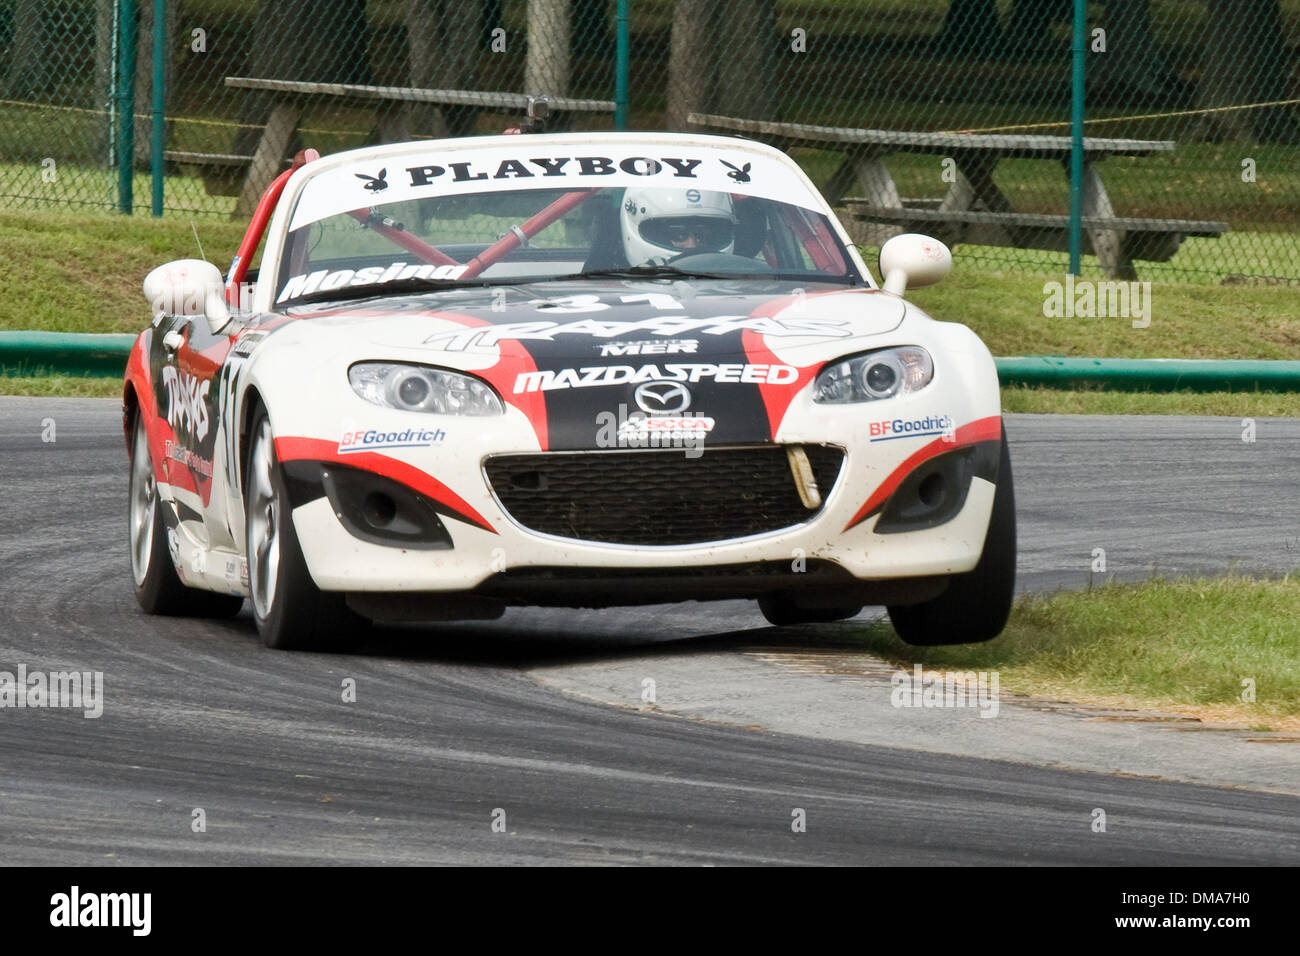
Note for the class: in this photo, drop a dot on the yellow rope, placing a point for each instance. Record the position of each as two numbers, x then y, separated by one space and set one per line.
175 119
1121 119
990 129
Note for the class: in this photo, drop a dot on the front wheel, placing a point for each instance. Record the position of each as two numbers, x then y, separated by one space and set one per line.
976 605
290 611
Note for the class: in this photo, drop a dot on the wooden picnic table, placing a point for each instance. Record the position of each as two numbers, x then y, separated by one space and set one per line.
975 210
290 99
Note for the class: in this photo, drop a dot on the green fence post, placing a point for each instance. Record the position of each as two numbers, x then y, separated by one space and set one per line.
1076 137
156 139
620 68
125 104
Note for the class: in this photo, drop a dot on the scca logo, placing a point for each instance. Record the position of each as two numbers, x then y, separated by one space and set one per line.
187 398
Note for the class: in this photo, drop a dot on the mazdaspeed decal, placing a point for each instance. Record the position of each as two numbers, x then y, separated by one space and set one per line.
731 373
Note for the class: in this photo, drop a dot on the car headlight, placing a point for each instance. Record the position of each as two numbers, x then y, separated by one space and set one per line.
418 388
876 375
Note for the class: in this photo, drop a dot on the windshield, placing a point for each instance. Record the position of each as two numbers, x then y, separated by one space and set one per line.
495 234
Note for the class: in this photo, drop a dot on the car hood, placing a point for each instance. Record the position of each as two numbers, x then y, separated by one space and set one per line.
574 314
563 352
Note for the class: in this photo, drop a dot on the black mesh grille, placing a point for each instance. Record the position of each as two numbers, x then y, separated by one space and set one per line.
658 497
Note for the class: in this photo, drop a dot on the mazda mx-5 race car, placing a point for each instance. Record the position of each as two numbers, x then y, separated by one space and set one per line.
568 370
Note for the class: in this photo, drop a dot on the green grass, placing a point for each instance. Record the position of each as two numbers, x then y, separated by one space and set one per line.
1099 402
60 386
76 272
81 189
1187 321
79 272
1193 181
1184 645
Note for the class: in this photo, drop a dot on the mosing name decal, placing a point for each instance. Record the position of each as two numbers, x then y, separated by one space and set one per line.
325 280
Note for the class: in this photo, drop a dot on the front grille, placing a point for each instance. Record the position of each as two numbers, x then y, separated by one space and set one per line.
658 497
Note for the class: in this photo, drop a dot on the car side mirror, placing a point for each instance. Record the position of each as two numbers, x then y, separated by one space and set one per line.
189 287
911 260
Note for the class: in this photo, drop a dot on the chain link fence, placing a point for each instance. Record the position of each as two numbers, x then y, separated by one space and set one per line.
1192 119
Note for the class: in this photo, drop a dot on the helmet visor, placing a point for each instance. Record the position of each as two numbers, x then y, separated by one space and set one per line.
698 233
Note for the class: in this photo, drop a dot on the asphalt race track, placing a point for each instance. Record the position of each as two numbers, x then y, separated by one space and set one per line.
448 726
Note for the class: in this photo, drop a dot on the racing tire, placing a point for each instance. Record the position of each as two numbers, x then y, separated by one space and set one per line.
291 613
158 589
975 606
782 612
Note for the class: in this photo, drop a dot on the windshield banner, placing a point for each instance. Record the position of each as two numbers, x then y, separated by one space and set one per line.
520 163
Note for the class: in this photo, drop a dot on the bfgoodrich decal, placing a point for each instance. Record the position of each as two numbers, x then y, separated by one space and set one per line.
373 439
911 427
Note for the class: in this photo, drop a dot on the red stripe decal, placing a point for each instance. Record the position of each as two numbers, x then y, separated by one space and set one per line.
158 430
776 398
513 361
317 449
983 429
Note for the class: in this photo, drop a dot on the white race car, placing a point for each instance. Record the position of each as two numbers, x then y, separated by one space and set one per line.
570 370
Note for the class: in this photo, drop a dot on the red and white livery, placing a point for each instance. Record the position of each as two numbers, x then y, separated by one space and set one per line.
574 370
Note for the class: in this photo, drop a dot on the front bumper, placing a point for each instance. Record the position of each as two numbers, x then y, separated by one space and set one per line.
855 529
860 526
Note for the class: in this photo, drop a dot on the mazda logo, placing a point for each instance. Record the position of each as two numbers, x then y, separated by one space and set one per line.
662 398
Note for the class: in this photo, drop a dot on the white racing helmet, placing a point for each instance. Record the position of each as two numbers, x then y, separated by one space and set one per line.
659 224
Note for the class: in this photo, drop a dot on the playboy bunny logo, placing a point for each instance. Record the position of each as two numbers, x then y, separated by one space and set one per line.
739 173
375 184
